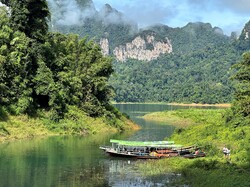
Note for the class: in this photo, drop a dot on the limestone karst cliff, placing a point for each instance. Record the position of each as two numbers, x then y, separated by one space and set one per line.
104 44
140 48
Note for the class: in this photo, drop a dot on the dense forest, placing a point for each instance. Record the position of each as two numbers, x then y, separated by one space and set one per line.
40 70
198 70
200 77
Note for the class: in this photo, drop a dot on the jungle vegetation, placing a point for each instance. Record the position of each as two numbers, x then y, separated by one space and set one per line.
51 74
197 71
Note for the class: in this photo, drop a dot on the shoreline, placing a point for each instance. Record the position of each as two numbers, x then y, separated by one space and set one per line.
21 127
225 105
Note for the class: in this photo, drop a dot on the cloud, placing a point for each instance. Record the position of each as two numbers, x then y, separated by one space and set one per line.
237 6
68 12
230 15
141 11
111 15
151 14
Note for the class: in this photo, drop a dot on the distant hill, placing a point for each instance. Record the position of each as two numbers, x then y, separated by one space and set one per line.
160 63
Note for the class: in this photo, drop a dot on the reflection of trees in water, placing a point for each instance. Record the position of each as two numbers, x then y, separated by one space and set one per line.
124 172
93 176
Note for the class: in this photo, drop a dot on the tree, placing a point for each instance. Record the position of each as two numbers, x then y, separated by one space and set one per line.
49 70
30 17
241 105
24 54
80 74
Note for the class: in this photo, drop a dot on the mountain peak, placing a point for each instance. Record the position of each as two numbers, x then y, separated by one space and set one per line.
245 34
111 15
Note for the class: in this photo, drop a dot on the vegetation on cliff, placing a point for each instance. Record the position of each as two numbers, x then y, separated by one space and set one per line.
200 76
197 71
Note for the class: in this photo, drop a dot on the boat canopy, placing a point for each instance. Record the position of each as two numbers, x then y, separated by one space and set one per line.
163 144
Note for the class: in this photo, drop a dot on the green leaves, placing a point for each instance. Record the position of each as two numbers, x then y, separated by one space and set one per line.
177 77
50 71
30 17
43 80
240 115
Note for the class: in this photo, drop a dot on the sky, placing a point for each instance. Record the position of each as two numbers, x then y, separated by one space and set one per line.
229 15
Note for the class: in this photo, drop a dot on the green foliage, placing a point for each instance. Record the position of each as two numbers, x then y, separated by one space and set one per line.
240 114
80 74
197 71
201 76
51 71
30 17
210 132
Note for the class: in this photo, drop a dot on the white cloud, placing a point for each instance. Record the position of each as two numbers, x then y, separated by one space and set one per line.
230 15
68 12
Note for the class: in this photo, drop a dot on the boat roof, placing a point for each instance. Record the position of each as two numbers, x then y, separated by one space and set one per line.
169 144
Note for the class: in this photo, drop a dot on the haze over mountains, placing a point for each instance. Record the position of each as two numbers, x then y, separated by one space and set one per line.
121 34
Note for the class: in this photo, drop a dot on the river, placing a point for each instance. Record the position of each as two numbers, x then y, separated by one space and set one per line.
78 161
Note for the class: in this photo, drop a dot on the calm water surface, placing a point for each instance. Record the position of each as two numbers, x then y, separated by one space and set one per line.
78 161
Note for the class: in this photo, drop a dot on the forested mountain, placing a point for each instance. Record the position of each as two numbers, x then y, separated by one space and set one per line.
194 67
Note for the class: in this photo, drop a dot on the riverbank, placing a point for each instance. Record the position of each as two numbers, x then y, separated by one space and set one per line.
76 122
223 105
219 105
170 117
207 129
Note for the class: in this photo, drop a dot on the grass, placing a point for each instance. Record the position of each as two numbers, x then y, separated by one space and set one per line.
207 129
20 127
170 117
76 122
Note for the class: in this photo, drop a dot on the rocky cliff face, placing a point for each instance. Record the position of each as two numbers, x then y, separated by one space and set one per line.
245 35
140 48
104 44
243 42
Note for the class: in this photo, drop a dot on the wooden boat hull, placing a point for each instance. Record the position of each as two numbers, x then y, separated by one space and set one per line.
141 155
131 155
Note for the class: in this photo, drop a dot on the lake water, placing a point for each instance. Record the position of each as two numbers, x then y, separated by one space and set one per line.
78 161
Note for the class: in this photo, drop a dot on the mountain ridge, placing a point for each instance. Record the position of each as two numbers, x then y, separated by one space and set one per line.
112 26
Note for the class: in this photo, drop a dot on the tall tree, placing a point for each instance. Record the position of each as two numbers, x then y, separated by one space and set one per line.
30 17
241 104
80 73
27 23
51 71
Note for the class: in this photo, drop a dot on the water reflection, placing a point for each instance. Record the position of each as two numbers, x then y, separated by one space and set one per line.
124 173
78 161
65 161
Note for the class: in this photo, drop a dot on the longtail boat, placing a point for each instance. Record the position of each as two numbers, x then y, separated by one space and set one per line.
143 149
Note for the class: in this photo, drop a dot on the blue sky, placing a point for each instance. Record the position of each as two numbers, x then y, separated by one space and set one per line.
229 15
